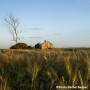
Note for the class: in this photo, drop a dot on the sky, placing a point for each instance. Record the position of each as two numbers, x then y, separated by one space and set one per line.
65 23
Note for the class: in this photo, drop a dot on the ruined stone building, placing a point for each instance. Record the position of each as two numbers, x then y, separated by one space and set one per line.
45 45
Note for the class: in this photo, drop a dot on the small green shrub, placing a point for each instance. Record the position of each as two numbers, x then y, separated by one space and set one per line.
38 46
19 46
30 47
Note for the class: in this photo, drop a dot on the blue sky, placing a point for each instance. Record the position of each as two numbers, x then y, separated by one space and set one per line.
65 23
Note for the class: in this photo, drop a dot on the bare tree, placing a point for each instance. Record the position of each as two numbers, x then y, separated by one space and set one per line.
13 24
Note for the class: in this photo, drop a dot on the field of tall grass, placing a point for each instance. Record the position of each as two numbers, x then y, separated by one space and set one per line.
44 69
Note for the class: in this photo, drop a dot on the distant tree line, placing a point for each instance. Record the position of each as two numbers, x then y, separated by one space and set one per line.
21 46
25 46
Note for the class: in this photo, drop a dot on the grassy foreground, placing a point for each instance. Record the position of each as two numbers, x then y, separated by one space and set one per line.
44 69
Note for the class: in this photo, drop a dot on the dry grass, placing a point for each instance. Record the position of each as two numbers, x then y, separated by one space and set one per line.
43 69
